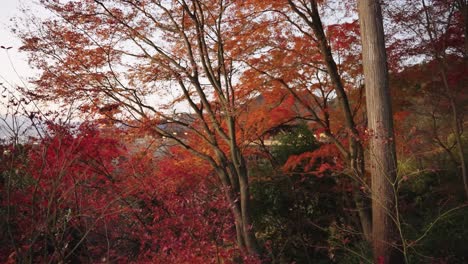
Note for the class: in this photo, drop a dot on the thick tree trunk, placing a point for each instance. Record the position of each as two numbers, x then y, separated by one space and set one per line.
383 167
240 173
247 228
238 196
234 204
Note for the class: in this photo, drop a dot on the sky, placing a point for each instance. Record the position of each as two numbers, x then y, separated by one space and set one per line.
8 10
14 68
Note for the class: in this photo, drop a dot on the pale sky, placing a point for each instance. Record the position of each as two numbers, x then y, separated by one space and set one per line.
14 68
8 10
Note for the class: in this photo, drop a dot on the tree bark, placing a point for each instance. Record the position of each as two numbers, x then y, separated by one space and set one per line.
383 167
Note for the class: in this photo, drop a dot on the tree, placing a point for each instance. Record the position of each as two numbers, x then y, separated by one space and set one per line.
302 61
118 57
79 196
202 86
52 188
435 32
383 163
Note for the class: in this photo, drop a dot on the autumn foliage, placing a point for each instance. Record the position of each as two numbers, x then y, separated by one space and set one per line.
230 131
78 190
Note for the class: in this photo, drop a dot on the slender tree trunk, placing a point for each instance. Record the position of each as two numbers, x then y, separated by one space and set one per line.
463 6
465 18
355 157
461 152
457 125
385 237
363 207
440 56
361 199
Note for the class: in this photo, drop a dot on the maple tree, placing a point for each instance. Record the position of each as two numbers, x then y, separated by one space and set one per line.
206 99
94 62
51 191
302 62
79 190
438 28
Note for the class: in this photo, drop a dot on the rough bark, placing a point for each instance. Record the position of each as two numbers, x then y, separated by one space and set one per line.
383 167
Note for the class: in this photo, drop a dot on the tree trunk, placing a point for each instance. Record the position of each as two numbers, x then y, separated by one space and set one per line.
385 237
239 169
238 196
440 57
458 129
363 207
456 126
355 154
247 226
458 139
463 6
